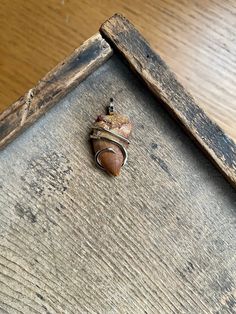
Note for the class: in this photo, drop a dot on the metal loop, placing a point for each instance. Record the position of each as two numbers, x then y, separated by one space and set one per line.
111 109
98 154
122 148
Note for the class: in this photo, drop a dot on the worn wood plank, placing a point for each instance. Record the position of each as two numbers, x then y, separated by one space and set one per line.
156 74
55 85
158 239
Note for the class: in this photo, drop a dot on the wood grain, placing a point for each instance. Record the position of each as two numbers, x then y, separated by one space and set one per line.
152 69
55 85
196 38
158 239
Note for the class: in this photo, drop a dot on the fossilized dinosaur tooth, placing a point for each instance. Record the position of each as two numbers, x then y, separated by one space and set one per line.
110 141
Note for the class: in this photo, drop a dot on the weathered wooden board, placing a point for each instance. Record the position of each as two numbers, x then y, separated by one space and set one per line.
56 84
156 74
158 239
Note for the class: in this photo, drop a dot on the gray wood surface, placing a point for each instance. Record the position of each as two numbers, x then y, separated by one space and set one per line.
157 75
161 238
52 87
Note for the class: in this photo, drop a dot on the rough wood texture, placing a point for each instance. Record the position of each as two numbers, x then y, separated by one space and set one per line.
159 239
153 70
196 38
53 87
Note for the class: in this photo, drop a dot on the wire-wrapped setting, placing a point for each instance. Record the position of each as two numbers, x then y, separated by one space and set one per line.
109 137
121 147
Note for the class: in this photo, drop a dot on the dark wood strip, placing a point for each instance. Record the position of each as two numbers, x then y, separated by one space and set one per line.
148 64
55 85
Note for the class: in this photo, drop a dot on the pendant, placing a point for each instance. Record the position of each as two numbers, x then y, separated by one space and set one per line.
110 141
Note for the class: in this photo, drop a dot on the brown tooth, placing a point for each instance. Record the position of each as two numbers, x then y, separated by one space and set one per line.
111 162
120 125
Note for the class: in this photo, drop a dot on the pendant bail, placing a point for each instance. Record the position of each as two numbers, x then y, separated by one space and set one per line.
111 107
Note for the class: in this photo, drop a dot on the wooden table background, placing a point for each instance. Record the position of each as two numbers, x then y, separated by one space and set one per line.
196 38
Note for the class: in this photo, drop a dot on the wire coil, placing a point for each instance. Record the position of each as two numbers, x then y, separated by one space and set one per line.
113 141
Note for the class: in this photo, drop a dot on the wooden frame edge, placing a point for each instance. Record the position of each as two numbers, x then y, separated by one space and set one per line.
123 36
54 86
